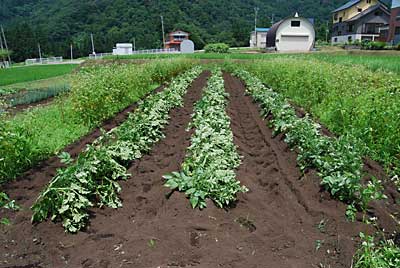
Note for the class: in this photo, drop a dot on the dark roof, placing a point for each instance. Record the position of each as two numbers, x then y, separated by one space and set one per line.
347 5
271 36
350 4
369 10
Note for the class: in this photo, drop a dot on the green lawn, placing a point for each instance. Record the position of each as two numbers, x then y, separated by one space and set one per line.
31 73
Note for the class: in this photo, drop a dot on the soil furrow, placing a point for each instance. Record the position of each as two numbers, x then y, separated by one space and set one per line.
285 220
101 244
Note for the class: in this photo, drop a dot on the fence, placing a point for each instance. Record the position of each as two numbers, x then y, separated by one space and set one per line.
51 60
4 64
146 51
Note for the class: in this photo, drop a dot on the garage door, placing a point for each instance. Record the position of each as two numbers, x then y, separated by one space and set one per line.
292 43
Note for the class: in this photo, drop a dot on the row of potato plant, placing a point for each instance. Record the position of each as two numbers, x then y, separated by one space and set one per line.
209 167
337 160
92 179
348 100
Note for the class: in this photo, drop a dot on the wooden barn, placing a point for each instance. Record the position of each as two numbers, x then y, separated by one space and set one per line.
291 34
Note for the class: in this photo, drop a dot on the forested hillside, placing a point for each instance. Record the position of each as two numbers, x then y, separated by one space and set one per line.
58 23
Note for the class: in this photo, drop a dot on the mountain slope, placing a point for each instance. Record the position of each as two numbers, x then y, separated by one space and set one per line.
58 23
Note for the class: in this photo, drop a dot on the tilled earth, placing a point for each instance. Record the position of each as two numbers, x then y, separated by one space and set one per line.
285 220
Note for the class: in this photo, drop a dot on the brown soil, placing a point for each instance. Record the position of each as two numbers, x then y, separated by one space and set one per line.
275 224
22 107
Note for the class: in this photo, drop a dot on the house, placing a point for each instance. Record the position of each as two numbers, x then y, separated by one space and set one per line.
291 34
360 20
260 40
123 49
175 39
394 25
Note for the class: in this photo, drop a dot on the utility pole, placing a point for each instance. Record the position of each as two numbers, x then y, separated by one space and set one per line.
2 49
5 44
72 56
256 9
162 28
91 38
327 31
134 44
273 18
40 53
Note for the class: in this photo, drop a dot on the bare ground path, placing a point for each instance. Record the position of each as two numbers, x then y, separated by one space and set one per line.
274 225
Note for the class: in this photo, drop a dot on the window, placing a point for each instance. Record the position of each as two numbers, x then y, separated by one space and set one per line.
335 40
398 18
368 1
295 23
340 19
351 28
335 17
359 9
397 31
349 38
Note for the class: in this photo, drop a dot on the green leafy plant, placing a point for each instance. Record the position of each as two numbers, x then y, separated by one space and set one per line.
209 167
384 254
217 48
337 160
92 179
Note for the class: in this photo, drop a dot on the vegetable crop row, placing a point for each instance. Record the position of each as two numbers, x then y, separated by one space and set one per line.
338 160
91 179
346 99
209 167
97 93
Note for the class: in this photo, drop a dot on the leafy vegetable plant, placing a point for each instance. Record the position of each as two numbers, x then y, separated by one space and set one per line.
209 168
338 160
92 179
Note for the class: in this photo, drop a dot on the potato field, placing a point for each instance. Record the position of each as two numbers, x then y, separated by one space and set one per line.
179 162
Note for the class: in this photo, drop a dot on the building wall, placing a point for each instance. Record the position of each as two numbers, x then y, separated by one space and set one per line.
289 38
346 38
394 26
353 11
261 40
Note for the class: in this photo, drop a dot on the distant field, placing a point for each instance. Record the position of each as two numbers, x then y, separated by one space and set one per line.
373 60
31 73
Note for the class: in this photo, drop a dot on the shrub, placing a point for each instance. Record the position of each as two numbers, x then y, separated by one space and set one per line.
217 48
368 45
99 92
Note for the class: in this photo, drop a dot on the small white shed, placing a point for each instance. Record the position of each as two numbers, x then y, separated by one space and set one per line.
123 49
187 47
292 34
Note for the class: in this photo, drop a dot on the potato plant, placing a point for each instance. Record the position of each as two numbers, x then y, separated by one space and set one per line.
338 161
92 179
209 167
349 100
